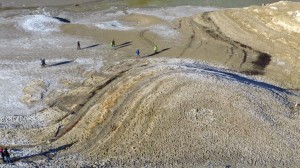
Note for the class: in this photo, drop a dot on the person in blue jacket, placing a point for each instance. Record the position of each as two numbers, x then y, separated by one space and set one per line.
137 53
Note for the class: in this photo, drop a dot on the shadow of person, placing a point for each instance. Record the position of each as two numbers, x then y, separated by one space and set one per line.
49 154
158 52
128 43
60 63
62 19
95 45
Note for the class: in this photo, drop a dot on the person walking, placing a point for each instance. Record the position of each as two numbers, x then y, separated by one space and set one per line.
137 52
155 48
113 44
2 155
78 45
43 63
6 156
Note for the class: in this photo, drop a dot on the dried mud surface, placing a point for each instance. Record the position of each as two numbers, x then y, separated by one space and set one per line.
169 112
224 92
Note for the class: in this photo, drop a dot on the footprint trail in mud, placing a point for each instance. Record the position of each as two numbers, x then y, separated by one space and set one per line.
148 41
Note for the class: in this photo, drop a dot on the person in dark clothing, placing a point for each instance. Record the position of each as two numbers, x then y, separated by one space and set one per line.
113 43
78 45
2 155
137 52
7 156
43 63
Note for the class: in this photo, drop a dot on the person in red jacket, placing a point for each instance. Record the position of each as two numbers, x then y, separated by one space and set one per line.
2 155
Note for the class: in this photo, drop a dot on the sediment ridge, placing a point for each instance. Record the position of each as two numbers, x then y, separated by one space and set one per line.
221 92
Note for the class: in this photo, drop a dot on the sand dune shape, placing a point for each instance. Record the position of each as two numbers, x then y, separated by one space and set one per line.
122 111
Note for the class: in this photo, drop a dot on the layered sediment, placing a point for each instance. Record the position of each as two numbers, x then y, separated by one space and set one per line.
223 92
169 112
253 40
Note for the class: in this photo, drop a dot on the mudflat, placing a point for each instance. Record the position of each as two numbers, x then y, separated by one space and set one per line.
221 90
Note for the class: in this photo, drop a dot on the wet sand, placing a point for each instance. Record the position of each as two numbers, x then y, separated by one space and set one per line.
221 91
